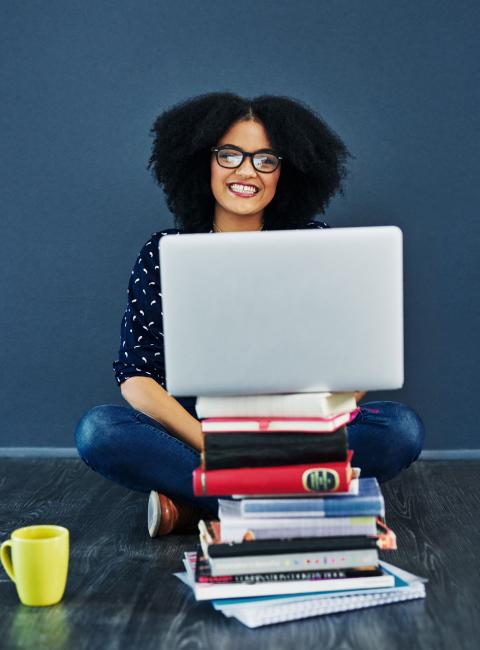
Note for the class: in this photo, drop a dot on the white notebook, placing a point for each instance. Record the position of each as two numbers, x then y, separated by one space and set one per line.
268 615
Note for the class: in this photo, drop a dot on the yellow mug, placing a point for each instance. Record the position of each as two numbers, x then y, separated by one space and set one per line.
36 559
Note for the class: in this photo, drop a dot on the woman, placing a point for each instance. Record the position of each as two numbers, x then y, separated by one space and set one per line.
226 164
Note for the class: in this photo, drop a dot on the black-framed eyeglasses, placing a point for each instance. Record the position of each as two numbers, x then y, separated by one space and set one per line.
231 156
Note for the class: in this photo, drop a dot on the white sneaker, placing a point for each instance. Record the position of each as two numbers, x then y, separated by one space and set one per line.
166 515
154 514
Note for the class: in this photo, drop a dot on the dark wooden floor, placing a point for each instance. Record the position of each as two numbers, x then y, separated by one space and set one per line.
121 592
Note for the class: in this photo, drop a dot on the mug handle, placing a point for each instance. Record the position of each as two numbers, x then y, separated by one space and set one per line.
5 557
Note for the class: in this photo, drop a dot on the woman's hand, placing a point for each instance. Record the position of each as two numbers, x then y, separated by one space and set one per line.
359 394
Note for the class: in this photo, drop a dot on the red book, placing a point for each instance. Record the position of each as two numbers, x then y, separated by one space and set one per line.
284 479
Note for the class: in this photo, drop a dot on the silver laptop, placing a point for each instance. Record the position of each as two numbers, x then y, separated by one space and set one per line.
283 311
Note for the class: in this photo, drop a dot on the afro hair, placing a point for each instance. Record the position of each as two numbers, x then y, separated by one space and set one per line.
313 165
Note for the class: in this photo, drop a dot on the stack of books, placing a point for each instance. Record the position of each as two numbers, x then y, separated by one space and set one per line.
275 444
300 532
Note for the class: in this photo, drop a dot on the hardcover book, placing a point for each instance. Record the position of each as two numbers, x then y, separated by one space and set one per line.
323 477
244 449
284 404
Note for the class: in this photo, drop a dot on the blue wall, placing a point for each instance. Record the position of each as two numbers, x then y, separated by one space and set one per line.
82 82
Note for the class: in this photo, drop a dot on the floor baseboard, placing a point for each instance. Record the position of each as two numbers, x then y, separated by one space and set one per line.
38 452
71 452
450 454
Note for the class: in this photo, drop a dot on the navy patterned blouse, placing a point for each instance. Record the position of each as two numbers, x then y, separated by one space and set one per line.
141 331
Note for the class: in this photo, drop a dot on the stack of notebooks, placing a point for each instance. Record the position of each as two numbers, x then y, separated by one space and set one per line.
300 531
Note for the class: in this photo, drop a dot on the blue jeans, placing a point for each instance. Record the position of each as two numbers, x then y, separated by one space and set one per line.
134 450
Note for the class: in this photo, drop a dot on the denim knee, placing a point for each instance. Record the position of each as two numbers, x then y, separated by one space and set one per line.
411 432
387 437
93 432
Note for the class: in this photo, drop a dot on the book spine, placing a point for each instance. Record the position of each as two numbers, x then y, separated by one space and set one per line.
333 574
296 561
286 479
285 545
236 532
224 450
301 405
346 507
279 423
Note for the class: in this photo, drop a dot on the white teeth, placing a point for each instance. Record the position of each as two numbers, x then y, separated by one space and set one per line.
243 188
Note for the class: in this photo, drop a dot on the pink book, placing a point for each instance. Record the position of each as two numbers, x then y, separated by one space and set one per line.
264 425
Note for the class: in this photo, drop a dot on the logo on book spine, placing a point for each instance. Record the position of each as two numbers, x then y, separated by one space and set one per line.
320 480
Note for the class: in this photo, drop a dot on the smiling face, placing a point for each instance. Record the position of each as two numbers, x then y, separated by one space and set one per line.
242 210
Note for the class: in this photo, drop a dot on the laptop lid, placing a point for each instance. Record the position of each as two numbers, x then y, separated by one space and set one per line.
283 311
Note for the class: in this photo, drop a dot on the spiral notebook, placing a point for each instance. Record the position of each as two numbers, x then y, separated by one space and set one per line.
268 615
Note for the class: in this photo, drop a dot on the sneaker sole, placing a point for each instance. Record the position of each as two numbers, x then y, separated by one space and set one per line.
154 514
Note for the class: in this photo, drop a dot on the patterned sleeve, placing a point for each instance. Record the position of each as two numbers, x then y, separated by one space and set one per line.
141 332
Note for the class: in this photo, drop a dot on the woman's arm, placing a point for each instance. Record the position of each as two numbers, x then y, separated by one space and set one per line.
360 394
146 395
